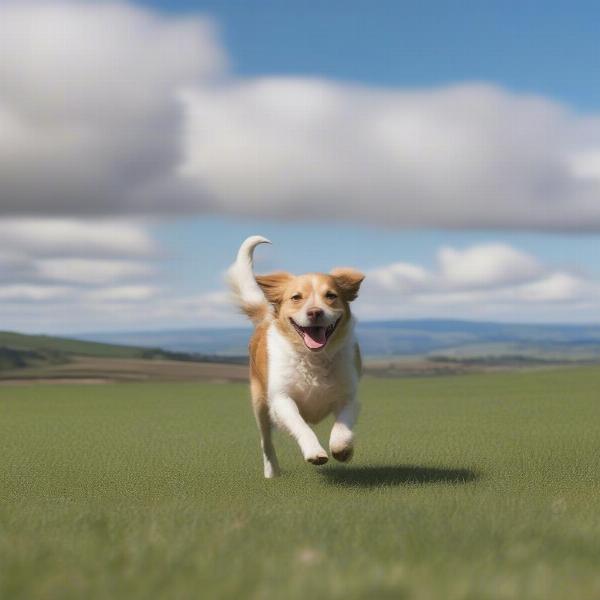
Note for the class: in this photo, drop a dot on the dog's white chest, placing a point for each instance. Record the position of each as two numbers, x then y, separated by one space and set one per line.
315 383
311 377
314 390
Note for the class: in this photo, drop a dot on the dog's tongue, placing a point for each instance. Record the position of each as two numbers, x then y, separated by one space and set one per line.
314 337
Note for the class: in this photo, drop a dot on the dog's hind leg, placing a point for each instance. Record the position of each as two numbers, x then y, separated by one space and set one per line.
263 420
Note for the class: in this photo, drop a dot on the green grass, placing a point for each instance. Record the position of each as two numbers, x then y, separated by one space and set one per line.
470 487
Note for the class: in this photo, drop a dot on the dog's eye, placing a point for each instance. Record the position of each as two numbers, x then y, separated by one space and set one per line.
330 296
297 297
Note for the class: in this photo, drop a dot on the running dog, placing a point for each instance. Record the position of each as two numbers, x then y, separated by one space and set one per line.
304 358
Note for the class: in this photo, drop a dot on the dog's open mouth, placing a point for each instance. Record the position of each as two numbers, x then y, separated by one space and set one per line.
315 338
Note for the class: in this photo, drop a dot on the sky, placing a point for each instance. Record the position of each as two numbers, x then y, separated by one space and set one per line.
450 152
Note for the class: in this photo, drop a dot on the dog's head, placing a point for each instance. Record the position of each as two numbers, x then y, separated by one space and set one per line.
314 309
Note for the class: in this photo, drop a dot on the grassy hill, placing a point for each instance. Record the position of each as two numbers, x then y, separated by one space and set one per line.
20 351
47 358
28 345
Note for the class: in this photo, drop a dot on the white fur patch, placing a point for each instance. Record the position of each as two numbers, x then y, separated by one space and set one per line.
318 383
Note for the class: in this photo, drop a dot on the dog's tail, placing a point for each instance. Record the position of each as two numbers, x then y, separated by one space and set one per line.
248 295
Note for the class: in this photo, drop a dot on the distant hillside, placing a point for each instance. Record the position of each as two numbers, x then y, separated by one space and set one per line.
19 351
11 358
451 338
392 348
470 339
19 341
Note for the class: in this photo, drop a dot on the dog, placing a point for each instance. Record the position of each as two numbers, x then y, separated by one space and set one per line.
305 362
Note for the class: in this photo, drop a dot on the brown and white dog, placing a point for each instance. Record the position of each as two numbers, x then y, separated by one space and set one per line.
304 358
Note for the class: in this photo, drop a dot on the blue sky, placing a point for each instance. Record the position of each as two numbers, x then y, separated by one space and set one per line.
550 48
450 150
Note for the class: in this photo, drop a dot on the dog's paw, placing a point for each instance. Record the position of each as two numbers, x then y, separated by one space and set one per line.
344 454
341 442
318 458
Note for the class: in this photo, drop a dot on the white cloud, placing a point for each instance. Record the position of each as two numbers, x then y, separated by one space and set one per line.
586 165
401 277
58 251
465 156
478 267
91 271
60 236
68 275
67 264
513 286
126 293
118 308
106 108
558 287
32 293
483 281
89 118
487 265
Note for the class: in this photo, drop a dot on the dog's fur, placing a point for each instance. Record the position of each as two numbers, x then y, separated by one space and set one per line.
304 359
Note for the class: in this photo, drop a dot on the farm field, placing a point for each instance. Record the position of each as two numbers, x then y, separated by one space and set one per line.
86 369
482 486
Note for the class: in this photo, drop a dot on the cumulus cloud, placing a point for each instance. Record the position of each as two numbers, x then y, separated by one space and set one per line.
477 267
55 252
487 265
69 274
558 287
457 157
60 236
124 293
481 281
32 293
108 108
89 118
91 271
111 308
484 281
85 275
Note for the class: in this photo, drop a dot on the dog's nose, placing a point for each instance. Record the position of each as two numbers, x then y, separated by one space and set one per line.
314 313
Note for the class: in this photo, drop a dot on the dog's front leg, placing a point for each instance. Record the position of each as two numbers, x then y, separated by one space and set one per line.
341 441
286 415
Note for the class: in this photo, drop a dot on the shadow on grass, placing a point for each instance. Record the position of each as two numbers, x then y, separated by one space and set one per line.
375 476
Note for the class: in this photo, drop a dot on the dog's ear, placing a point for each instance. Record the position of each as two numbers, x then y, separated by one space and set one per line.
348 281
273 285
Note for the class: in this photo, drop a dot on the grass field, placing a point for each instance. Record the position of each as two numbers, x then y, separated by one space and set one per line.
474 487
112 370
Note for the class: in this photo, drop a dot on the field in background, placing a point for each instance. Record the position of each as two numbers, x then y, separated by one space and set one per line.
41 358
478 486
394 349
85 369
